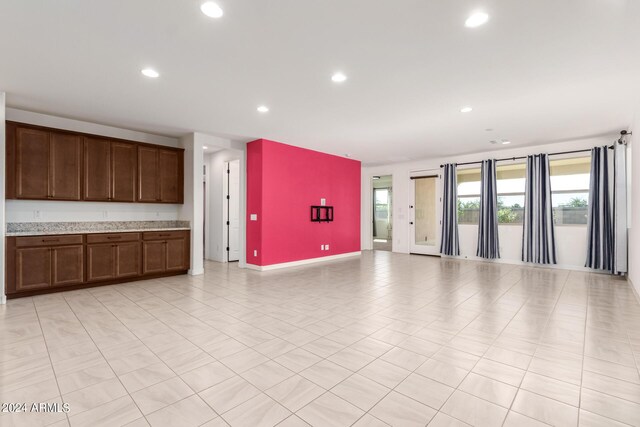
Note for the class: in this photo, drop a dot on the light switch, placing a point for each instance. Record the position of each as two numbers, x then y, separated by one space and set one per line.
323 202
254 217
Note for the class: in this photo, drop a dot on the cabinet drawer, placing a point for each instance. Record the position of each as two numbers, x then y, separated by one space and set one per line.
71 239
161 235
112 237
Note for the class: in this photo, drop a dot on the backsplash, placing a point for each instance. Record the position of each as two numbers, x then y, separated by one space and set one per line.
91 226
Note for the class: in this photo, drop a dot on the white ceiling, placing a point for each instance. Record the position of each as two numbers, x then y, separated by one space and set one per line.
538 71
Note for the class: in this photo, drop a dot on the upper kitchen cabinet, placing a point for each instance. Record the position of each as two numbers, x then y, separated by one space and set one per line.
160 175
43 164
123 171
97 169
50 164
109 170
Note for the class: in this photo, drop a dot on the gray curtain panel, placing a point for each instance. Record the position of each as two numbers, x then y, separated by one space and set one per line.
538 239
488 242
620 247
599 222
450 241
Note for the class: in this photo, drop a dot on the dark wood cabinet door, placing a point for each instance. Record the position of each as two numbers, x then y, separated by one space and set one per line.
127 259
97 169
148 184
33 269
153 257
176 255
123 172
169 176
101 262
67 265
32 163
65 166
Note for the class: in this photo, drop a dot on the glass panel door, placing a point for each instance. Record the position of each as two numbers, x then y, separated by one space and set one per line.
425 216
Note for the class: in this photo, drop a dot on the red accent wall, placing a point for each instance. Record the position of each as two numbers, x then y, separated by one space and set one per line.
282 183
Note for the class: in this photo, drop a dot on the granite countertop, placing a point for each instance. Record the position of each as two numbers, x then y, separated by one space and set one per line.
49 228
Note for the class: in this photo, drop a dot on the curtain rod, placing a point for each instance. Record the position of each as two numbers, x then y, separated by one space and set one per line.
622 135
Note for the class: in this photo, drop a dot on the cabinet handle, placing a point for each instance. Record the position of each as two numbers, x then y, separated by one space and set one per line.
114 237
50 240
164 235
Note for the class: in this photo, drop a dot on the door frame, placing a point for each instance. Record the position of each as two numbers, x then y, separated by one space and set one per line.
227 210
419 249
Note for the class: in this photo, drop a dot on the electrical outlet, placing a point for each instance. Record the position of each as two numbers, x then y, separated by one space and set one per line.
254 217
322 247
255 252
326 247
37 215
105 214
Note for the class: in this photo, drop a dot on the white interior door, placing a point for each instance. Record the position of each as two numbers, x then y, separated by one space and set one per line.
233 204
425 213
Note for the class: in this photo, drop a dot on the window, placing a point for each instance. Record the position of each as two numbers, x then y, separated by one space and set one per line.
569 184
510 188
381 204
570 180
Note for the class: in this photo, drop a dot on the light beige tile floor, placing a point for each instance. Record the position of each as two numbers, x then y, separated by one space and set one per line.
384 339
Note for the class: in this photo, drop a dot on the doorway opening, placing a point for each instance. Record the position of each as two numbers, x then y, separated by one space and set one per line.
232 210
382 212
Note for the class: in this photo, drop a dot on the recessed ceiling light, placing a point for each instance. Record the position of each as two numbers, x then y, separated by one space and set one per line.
477 19
263 109
338 77
211 9
150 72
204 147
505 142
466 109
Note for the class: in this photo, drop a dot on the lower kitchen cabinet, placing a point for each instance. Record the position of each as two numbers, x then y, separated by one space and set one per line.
113 256
32 269
127 259
154 256
67 265
41 264
165 252
100 262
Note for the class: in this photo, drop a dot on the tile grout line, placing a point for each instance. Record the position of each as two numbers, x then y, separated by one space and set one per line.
101 353
526 371
44 338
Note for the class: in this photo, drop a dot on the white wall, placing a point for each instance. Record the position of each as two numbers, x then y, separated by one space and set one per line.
45 211
192 209
633 144
3 298
49 211
570 240
216 226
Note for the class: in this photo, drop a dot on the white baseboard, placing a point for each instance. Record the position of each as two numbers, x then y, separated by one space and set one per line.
301 262
633 289
527 264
